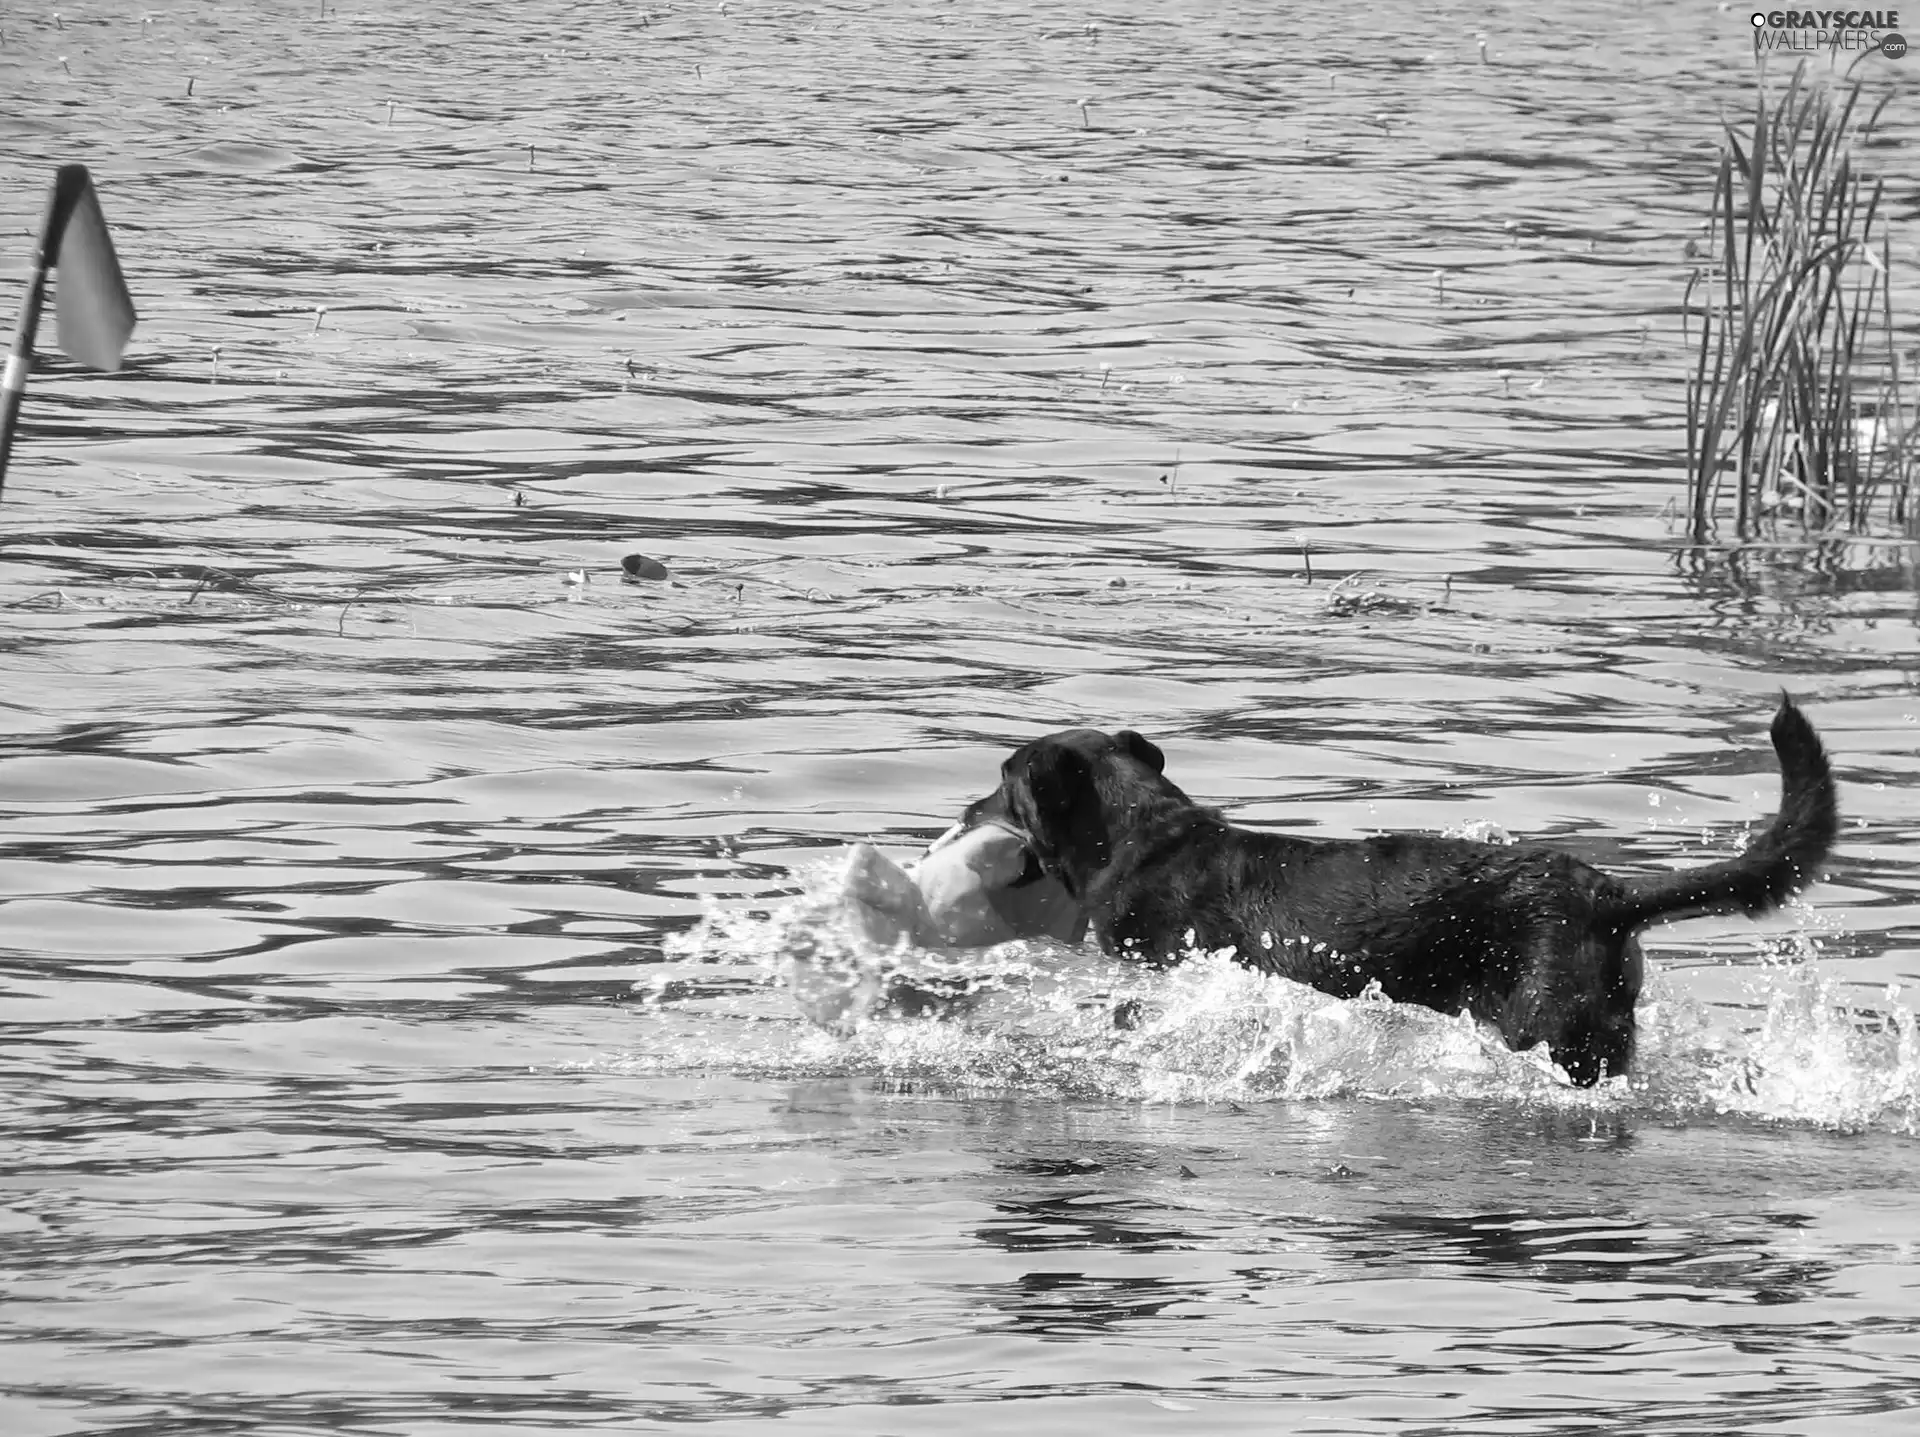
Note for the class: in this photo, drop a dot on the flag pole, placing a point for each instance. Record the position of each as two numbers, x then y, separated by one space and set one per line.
102 313
13 385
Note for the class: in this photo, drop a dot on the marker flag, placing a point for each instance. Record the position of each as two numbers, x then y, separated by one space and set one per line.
93 311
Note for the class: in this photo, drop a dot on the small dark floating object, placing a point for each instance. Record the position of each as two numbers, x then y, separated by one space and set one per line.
639 566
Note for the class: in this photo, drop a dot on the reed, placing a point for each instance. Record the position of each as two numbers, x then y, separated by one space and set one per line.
1796 404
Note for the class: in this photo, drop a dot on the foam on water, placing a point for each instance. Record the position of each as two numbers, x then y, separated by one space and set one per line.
1057 1019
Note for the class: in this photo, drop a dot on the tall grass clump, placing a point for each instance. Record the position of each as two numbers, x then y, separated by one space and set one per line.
1796 403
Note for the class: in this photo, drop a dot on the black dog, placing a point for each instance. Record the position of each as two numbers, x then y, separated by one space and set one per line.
1528 939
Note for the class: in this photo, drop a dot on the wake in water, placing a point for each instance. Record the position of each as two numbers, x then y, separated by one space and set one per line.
1053 1018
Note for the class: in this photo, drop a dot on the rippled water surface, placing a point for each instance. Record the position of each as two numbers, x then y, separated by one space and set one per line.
411 933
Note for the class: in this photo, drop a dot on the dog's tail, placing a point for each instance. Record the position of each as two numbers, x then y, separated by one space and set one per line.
1778 863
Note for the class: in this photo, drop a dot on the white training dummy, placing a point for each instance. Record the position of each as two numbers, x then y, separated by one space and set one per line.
964 894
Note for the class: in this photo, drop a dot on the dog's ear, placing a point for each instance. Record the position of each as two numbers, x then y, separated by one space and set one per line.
1144 749
1065 822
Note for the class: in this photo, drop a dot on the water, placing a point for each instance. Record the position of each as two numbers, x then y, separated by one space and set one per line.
410 930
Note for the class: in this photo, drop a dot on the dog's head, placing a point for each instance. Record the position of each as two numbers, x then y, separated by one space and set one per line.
1063 794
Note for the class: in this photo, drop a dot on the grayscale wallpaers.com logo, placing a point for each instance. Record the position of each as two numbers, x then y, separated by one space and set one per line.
1857 30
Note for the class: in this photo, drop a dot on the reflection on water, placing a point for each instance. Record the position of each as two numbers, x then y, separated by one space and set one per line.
409 927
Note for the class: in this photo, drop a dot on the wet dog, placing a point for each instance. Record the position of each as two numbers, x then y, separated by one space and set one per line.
1528 939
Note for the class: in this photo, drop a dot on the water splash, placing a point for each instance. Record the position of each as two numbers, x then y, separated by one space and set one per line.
1811 1059
1055 1019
